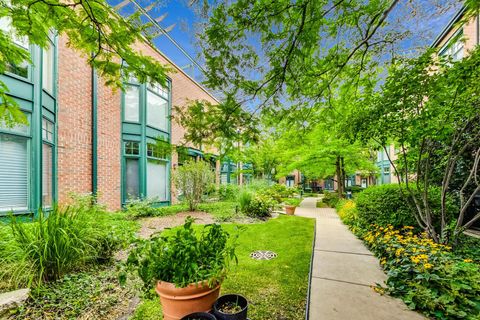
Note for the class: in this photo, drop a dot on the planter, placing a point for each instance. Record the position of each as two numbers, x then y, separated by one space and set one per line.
199 316
233 300
179 302
290 210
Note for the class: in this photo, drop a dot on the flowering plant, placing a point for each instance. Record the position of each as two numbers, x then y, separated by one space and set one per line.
425 274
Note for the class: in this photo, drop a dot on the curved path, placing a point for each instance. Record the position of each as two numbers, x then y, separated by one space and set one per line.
344 273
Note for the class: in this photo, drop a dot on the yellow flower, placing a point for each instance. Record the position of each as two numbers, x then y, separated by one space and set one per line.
428 265
467 260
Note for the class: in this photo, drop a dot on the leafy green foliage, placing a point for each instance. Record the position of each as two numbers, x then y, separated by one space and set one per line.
192 180
137 208
244 200
385 204
185 257
292 201
278 192
259 207
228 191
428 107
330 199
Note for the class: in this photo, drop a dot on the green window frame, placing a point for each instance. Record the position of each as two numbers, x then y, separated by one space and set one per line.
41 137
149 157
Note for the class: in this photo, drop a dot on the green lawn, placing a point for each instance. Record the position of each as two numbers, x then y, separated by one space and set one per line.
276 289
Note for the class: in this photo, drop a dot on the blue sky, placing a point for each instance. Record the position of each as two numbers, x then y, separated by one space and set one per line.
179 13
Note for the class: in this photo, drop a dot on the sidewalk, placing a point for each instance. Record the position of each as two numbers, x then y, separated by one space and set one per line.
343 273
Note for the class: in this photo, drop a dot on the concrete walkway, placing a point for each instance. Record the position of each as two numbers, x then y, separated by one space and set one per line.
343 273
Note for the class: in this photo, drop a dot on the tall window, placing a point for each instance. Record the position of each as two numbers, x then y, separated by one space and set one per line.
132 169
145 124
156 173
48 69
132 104
157 111
48 131
14 168
20 69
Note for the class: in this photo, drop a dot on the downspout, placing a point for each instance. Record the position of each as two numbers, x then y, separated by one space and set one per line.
478 28
94 133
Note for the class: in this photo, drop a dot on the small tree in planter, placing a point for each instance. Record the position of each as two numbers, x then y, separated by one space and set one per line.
186 267
193 179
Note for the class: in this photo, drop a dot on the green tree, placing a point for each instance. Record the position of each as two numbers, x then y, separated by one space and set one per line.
324 152
192 180
429 108
94 29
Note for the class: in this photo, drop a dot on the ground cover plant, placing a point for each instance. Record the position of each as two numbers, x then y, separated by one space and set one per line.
276 289
89 294
439 280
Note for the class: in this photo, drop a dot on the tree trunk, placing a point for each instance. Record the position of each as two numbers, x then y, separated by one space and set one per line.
339 177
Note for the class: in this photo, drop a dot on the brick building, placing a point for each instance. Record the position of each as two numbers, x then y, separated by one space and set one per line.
84 137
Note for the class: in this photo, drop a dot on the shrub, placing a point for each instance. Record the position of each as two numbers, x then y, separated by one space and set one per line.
384 205
331 199
347 211
277 192
427 275
185 256
192 180
244 200
260 207
228 192
137 208
354 189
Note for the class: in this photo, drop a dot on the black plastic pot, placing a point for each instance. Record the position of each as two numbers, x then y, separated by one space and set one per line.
235 298
200 315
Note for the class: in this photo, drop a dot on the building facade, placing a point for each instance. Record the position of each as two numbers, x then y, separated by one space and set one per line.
83 137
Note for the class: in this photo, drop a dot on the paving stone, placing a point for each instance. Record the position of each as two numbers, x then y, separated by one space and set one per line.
12 299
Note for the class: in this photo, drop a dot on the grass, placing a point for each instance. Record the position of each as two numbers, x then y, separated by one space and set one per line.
276 289
321 204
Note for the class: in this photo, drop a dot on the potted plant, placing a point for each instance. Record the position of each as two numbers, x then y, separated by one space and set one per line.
186 267
231 307
291 204
199 316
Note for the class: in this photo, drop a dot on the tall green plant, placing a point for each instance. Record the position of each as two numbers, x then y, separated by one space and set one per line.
192 180
47 249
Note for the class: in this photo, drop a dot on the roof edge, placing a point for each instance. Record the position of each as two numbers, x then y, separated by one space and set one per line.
448 27
181 70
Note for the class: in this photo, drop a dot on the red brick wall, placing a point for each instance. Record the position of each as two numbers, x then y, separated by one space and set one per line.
74 124
74 132
109 146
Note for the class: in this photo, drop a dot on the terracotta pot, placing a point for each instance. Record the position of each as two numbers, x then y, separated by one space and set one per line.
290 210
180 302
